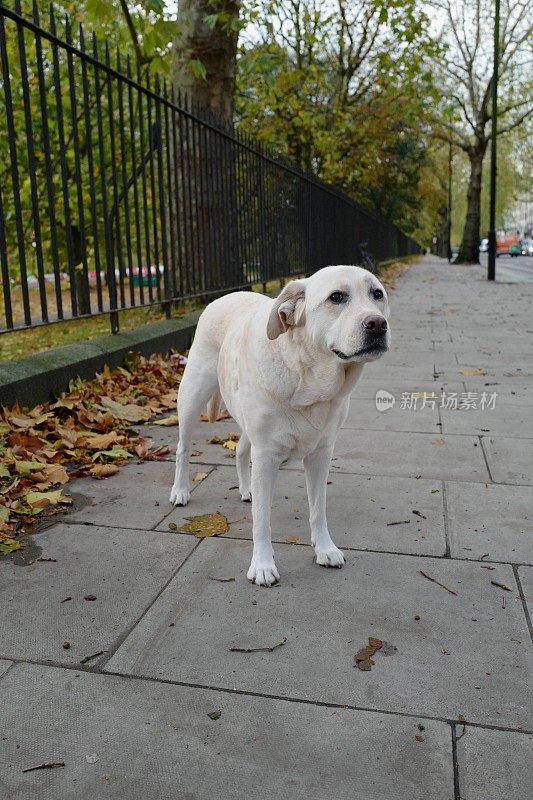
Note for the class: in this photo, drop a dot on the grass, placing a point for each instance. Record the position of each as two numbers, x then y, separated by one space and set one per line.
27 341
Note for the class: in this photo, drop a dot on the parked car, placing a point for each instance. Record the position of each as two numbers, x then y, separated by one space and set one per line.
526 248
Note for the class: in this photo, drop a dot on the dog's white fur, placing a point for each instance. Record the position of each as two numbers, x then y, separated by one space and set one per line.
273 363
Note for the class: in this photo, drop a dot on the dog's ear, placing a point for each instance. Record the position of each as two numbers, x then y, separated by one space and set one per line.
288 309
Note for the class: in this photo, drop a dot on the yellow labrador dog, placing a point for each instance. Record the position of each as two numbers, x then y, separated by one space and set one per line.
285 369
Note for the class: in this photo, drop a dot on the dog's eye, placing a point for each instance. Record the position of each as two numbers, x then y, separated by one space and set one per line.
377 294
337 297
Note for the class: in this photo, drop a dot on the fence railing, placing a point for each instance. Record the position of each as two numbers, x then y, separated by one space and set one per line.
115 193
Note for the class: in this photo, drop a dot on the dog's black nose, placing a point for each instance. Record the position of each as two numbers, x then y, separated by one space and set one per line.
375 323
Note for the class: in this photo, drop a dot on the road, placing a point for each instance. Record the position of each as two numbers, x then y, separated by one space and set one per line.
512 270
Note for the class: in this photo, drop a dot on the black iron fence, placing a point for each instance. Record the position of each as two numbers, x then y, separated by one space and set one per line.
116 193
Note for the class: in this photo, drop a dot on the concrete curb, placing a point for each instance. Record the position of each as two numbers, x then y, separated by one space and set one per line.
40 377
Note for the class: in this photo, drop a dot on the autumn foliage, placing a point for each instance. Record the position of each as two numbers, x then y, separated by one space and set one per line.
86 432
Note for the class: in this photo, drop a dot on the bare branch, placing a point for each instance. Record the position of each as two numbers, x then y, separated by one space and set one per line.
515 123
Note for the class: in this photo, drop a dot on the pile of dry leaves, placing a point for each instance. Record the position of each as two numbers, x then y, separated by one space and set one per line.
85 432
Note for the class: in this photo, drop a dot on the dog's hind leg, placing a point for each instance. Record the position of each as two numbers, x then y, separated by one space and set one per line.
198 384
243 467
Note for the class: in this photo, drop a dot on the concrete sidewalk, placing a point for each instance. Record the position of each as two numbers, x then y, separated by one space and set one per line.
165 710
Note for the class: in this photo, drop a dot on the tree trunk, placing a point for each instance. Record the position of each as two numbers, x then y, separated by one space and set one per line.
469 249
205 174
214 46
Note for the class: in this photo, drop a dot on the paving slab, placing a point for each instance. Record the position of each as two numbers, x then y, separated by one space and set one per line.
4 666
136 497
155 741
510 460
360 511
125 569
490 519
466 655
495 764
423 455
519 392
507 418
399 417
368 388
504 357
389 372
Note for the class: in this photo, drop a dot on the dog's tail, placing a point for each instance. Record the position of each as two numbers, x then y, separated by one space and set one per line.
213 405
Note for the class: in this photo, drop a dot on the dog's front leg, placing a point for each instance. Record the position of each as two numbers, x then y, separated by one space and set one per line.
265 463
317 466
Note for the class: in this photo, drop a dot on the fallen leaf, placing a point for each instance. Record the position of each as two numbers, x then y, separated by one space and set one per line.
103 441
438 441
10 545
28 441
365 664
25 467
365 652
129 411
222 415
363 658
205 525
200 476
103 470
117 452
230 444
214 715
167 421
474 371
195 453
292 539
26 421
45 499
90 597
55 473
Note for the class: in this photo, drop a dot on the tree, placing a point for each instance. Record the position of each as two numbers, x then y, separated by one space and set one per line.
465 73
339 87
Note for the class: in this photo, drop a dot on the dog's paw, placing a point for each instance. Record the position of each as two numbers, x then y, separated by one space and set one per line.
330 556
246 496
179 497
264 573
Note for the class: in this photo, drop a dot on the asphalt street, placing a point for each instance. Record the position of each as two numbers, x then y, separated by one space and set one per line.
511 270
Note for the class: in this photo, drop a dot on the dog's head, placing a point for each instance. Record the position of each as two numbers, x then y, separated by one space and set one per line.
343 310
